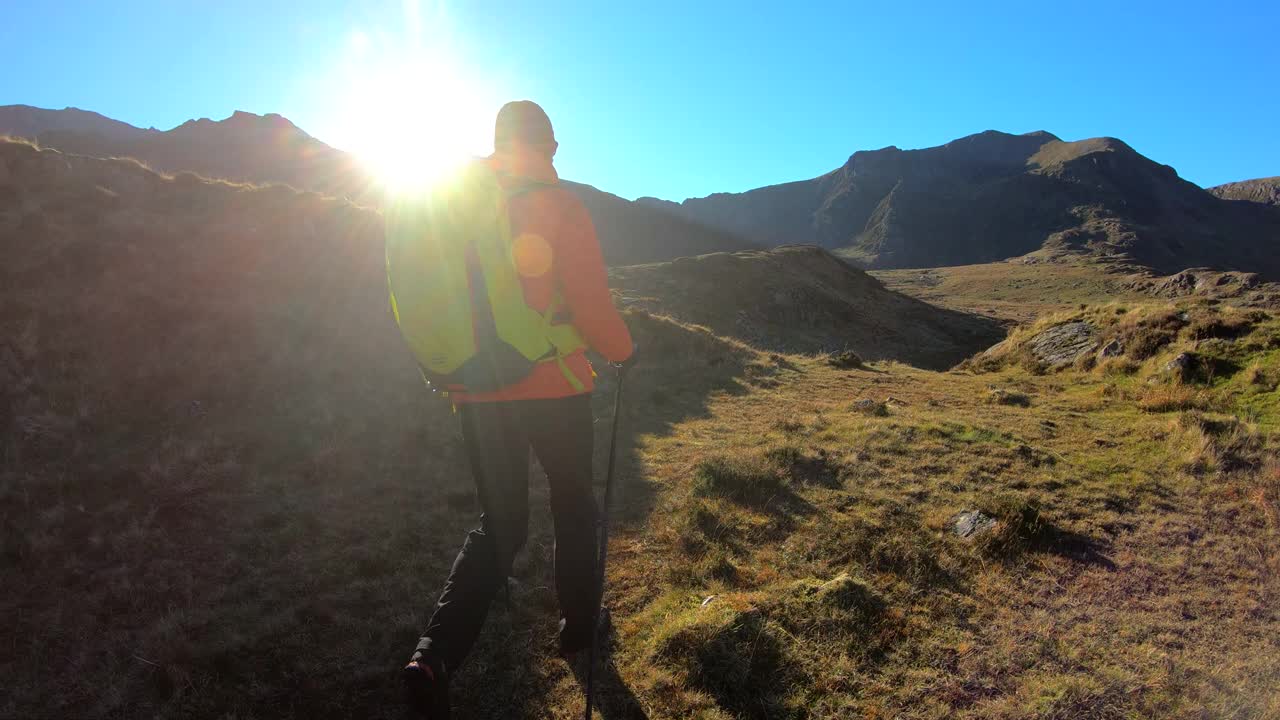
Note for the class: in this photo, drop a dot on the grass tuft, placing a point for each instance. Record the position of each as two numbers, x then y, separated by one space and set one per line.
746 478
1019 526
1172 397
846 360
999 396
735 655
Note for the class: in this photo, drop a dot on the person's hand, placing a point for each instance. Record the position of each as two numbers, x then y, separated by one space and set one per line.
631 360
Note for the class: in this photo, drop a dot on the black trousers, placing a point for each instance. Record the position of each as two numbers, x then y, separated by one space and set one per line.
498 437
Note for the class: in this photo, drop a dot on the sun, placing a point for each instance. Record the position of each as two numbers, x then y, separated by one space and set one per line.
411 123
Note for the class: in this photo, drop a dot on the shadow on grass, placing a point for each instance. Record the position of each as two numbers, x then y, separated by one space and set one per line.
235 427
1078 547
1021 528
613 699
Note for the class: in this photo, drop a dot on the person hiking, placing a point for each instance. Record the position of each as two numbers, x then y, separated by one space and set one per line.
561 279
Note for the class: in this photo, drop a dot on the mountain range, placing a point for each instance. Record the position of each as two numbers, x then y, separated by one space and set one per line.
1261 190
270 149
986 197
994 196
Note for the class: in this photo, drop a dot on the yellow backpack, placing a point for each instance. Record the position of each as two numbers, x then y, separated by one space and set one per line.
467 321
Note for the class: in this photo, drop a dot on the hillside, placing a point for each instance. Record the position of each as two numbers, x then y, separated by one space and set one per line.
1261 190
243 147
802 299
270 149
220 464
993 196
1023 289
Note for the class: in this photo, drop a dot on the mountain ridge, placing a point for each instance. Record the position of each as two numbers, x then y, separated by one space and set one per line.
1259 190
246 147
985 197
992 196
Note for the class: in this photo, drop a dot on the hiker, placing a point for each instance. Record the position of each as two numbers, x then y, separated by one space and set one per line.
544 404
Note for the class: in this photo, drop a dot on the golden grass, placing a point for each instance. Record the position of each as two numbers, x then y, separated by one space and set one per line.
226 495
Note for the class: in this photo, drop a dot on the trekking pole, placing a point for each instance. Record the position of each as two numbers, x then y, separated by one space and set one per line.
604 537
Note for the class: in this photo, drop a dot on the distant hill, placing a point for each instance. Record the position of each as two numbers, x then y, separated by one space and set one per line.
804 299
243 148
992 196
77 230
269 148
631 233
29 122
1261 190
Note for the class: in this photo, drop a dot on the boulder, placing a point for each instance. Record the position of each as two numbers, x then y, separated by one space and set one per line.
1182 365
1062 344
971 522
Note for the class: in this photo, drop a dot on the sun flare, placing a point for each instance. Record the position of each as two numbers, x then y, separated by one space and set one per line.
412 122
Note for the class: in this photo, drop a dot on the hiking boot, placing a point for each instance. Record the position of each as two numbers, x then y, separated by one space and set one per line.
426 688
574 640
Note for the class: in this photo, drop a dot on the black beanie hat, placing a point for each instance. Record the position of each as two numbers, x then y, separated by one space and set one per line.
525 121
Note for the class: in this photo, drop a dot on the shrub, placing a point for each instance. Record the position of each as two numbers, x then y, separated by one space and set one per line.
1147 341
1220 326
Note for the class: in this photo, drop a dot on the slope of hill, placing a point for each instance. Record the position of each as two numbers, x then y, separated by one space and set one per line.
802 299
269 148
220 467
1023 289
1261 190
631 233
993 196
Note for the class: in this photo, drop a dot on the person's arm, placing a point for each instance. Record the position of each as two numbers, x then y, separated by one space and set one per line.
584 283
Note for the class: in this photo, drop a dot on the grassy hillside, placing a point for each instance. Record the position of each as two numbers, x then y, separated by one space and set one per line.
803 299
1011 290
803 535
224 493
1023 289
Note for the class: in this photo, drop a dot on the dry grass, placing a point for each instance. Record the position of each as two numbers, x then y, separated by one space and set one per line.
1087 504
225 497
1173 397
1012 290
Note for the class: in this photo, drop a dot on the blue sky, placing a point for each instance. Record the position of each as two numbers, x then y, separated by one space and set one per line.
682 99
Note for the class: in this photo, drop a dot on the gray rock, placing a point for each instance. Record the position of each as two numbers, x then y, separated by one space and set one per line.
1115 348
870 407
1062 344
1183 365
971 522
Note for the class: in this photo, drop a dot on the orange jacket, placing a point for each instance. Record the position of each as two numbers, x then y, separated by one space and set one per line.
555 249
